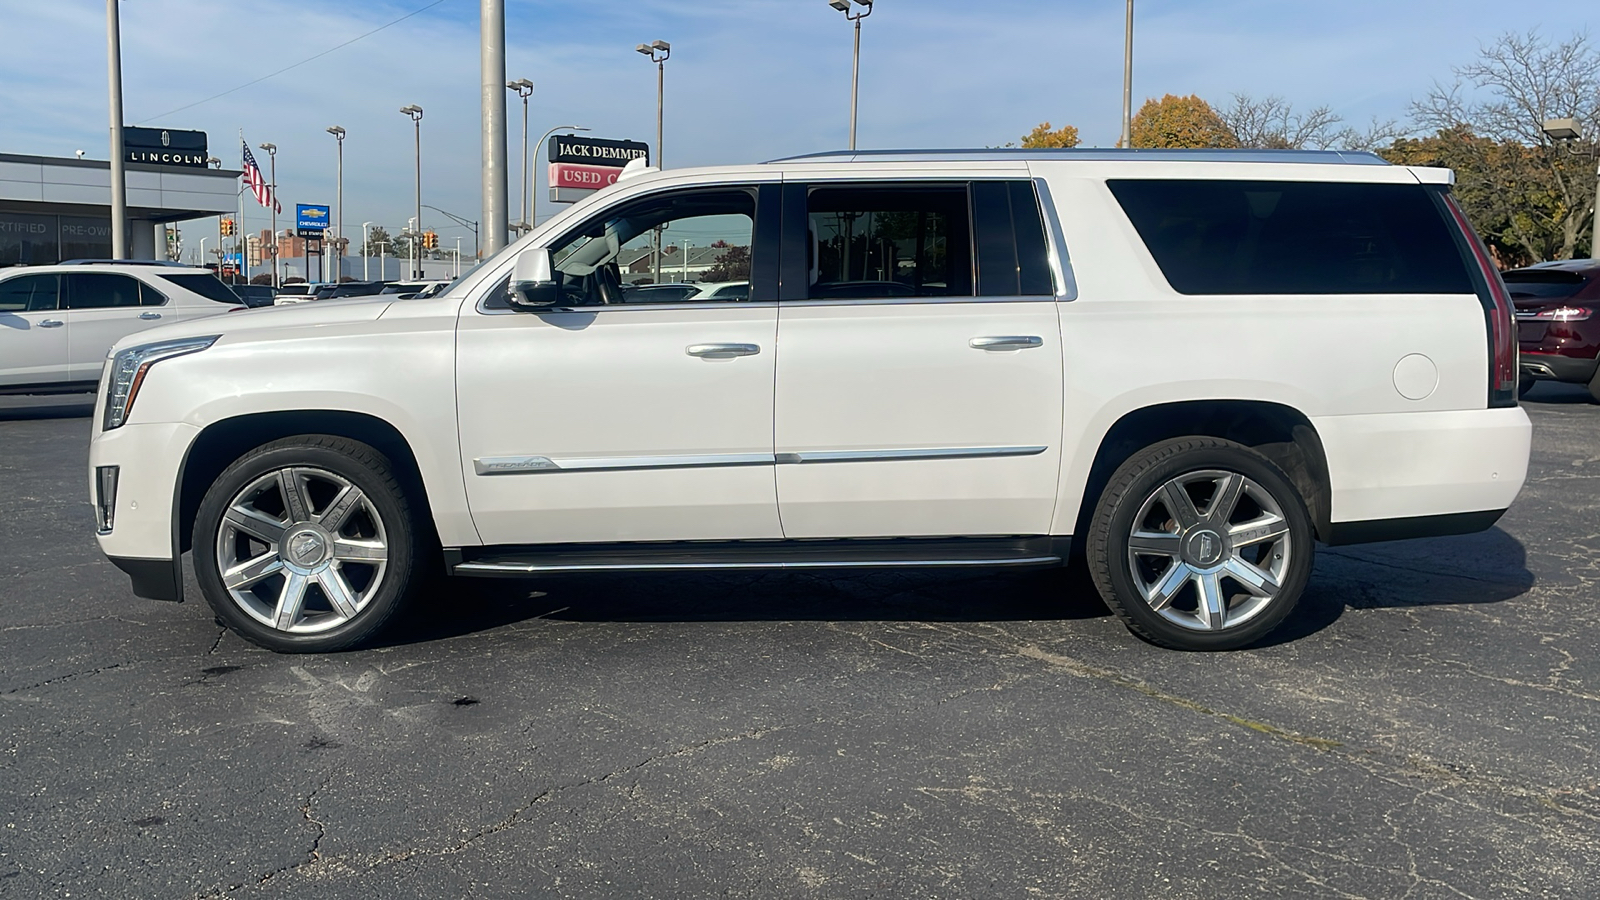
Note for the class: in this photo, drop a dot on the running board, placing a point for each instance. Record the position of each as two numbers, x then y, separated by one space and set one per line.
776 554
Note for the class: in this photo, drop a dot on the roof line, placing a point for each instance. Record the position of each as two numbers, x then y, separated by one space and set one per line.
1086 154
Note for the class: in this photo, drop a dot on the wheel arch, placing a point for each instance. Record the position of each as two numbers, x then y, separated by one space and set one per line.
223 441
1279 432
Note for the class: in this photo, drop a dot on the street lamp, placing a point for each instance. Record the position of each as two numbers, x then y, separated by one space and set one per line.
272 153
338 255
1566 131
1127 81
524 89
414 113
664 50
366 252
855 67
533 210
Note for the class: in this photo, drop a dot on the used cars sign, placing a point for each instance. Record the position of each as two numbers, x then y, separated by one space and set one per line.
580 166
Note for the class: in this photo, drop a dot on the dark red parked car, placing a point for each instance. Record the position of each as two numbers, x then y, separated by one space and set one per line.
1558 322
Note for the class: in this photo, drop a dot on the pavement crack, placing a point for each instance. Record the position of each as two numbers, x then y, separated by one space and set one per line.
60 678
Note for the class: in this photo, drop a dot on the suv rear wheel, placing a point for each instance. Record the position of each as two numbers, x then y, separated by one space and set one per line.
1200 543
306 544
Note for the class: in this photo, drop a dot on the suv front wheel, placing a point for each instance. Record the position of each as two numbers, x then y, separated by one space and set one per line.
306 544
1200 543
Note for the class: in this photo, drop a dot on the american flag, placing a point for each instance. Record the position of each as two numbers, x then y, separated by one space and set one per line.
258 185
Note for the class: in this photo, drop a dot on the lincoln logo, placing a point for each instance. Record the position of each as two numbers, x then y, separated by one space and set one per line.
166 139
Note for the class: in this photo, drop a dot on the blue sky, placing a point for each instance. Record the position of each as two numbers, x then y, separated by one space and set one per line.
748 79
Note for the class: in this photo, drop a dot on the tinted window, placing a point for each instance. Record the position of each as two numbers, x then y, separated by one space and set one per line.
30 293
889 242
207 286
1012 259
1277 237
101 290
1544 284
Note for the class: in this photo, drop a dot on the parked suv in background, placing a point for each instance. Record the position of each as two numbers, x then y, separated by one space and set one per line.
57 322
1558 322
932 368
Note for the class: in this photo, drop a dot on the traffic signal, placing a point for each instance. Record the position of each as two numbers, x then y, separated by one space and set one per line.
227 228
430 240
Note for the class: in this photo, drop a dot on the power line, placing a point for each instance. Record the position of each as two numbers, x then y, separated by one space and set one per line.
295 65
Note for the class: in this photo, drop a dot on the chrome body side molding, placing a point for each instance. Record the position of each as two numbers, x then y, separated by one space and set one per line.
523 465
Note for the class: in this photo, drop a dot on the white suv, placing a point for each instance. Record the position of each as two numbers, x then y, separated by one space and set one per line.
57 322
1190 366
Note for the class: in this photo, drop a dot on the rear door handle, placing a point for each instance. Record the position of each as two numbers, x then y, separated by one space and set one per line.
51 323
1006 342
149 315
722 351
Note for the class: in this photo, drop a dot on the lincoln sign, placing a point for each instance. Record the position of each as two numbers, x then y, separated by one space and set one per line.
165 147
580 166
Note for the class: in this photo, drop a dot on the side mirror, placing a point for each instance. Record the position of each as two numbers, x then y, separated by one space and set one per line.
533 284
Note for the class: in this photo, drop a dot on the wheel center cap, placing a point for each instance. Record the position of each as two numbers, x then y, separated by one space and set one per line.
305 548
1204 548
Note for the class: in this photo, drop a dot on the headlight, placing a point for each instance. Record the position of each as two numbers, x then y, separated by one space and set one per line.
129 366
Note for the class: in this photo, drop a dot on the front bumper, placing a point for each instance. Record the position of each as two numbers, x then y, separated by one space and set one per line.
142 539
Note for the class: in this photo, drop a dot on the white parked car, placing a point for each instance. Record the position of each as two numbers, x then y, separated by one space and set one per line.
1191 366
57 322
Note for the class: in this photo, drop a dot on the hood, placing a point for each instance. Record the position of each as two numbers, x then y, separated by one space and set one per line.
258 323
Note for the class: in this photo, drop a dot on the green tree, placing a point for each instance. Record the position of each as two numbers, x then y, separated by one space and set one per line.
732 264
1042 136
1179 122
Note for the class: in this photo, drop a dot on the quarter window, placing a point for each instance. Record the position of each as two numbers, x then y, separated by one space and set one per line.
889 242
1280 237
30 293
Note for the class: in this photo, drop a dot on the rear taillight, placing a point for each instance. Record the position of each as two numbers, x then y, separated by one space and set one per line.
1498 314
1563 314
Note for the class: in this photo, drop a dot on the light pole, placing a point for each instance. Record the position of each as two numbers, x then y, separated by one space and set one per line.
855 66
119 176
1127 81
272 154
458 257
1565 131
533 210
414 113
492 103
659 52
338 255
524 89
366 252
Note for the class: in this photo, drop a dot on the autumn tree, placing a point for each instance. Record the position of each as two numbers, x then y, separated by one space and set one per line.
1043 137
1522 80
1176 122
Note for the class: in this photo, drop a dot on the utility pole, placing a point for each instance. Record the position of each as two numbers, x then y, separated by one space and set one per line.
493 69
119 174
524 89
272 153
1127 81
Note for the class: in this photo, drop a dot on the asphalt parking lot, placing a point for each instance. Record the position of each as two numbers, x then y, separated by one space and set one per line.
1424 727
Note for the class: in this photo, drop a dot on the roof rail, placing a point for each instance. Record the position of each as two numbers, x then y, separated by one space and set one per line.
1097 154
125 262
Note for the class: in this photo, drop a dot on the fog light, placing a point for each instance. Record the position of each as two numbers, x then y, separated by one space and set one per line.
105 496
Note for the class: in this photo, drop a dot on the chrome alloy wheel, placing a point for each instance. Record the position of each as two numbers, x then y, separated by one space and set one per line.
1209 550
301 550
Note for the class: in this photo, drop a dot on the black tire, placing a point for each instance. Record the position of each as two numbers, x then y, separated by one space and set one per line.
322 462
1200 548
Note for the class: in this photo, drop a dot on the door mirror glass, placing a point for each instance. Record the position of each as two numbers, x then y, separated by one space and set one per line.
533 284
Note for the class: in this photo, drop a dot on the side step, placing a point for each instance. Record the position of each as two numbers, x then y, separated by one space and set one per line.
669 556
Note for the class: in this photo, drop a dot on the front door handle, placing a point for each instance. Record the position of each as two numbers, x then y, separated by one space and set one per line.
721 351
51 323
149 315
1006 342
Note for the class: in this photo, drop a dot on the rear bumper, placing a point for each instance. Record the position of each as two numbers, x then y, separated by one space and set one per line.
1438 469
1412 527
1575 370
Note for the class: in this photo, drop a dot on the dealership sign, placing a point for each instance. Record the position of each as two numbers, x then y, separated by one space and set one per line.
580 166
165 147
310 217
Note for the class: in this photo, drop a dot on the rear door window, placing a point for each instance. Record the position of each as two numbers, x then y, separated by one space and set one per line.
1279 237
102 290
889 242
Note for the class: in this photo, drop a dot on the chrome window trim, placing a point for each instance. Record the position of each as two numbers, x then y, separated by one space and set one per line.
619 307
902 301
1060 262
528 464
